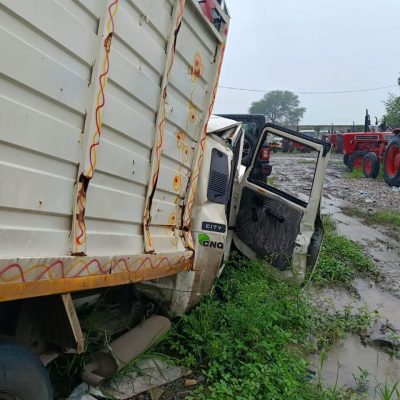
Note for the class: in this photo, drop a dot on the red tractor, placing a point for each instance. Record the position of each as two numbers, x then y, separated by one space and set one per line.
365 150
335 138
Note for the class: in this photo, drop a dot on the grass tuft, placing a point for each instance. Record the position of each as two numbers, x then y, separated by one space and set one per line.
385 217
341 260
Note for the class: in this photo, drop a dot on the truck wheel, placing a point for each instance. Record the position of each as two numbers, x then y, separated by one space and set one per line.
356 160
22 375
346 159
339 144
249 145
391 165
371 165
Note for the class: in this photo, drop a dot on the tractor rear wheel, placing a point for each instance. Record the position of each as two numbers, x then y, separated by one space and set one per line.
371 165
356 160
391 164
339 144
346 159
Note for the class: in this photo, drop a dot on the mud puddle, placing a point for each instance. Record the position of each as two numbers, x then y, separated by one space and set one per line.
381 247
342 366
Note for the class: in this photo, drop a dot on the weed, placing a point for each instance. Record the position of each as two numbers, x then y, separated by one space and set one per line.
385 217
249 346
362 380
357 173
65 370
340 260
390 218
389 392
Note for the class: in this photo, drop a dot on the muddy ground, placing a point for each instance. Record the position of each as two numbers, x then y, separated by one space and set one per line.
349 201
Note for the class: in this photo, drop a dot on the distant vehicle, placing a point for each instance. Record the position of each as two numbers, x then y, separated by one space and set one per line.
289 146
369 149
275 144
310 133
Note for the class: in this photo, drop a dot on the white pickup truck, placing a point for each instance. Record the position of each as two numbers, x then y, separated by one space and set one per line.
114 178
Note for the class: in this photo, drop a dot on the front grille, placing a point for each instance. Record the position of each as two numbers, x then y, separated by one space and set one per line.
219 178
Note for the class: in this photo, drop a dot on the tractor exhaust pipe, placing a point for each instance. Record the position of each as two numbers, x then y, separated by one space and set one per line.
367 121
112 359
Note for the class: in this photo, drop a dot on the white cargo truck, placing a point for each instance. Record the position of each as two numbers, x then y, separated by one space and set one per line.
114 179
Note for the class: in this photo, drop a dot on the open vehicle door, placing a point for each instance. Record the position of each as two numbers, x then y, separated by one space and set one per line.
278 218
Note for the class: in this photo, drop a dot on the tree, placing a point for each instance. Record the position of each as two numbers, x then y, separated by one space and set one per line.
279 107
392 105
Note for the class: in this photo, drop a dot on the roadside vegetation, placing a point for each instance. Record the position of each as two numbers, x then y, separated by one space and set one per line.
385 217
389 218
250 342
357 173
341 260
251 337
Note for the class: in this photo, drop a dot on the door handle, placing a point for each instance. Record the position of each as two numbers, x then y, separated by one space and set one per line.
268 211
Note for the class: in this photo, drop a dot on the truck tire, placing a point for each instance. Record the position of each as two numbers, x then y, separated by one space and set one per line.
371 165
249 145
22 375
346 159
356 160
391 164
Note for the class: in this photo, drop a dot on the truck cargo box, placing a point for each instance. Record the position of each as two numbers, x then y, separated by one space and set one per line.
103 113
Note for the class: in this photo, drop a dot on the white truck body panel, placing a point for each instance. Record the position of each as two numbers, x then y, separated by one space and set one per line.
142 75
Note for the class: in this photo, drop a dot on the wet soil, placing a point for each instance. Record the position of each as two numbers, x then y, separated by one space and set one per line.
347 199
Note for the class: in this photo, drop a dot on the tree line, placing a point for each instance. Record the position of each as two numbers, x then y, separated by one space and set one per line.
282 107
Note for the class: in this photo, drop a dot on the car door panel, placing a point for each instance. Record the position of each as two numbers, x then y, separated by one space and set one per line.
274 223
269 227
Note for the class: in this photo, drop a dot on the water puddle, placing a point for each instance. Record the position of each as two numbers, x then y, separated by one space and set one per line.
345 361
383 249
366 294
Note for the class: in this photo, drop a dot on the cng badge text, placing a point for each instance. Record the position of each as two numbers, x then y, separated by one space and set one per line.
205 241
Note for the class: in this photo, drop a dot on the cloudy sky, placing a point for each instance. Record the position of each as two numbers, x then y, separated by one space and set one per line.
313 46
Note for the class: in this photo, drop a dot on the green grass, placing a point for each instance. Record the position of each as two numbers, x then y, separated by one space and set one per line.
249 345
385 217
390 218
357 173
340 260
389 392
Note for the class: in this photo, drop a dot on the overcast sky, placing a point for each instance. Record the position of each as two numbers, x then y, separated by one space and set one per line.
313 45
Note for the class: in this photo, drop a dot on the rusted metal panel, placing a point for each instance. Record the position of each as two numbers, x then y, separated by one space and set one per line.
93 124
188 88
23 278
